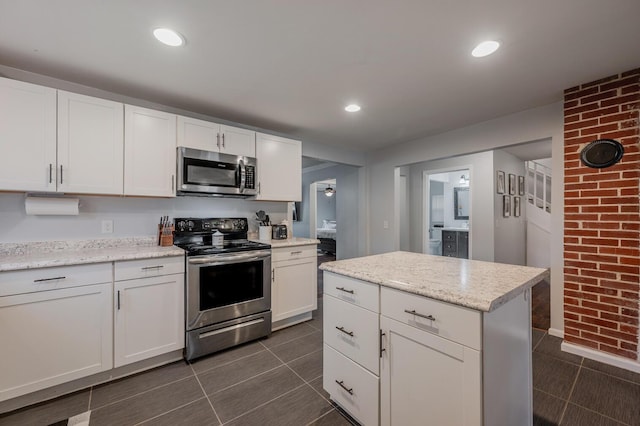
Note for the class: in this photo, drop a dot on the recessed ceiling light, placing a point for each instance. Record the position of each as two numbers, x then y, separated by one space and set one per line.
168 37
352 108
485 48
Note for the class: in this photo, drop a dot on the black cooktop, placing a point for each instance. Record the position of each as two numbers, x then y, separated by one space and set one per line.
195 235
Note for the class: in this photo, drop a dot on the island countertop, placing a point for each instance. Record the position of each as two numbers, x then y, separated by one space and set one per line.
475 284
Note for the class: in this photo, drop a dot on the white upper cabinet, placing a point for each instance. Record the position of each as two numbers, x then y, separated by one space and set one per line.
90 144
149 152
208 136
279 168
27 136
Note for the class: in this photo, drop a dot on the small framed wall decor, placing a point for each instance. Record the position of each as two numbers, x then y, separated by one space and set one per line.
516 206
520 185
500 182
506 205
512 184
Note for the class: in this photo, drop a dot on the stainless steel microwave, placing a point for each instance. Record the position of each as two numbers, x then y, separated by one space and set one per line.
208 173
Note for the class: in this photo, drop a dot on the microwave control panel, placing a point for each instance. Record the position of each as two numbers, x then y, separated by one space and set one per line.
250 177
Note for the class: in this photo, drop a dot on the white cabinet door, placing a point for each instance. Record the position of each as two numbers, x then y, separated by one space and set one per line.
52 337
198 134
90 144
149 318
294 288
208 136
279 168
149 152
425 377
237 141
27 136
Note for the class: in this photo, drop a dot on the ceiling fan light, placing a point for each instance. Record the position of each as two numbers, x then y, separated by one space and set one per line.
329 191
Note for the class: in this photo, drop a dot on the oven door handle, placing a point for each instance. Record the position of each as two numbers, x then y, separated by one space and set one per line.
227 260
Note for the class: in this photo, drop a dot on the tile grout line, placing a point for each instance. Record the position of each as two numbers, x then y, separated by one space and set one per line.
167 412
141 393
313 330
573 386
247 379
226 363
205 394
263 404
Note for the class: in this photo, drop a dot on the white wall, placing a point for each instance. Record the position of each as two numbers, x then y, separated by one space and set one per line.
481 186
527 126
131 216
510 232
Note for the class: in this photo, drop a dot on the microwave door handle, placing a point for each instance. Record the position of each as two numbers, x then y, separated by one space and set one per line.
243 175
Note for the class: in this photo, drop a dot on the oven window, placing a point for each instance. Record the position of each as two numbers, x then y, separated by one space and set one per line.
209 173
225 285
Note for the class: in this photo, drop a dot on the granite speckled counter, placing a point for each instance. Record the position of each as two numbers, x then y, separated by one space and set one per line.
482 286
291 242
19 256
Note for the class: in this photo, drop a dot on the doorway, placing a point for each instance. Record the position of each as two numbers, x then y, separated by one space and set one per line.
323 223
447 208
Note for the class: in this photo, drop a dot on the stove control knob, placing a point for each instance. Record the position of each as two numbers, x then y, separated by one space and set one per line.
181 225
190 224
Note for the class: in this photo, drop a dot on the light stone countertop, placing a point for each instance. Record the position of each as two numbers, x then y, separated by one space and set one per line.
290 242
18 256
478 285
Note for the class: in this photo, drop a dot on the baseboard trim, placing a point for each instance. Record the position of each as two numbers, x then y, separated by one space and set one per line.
603 357
556 332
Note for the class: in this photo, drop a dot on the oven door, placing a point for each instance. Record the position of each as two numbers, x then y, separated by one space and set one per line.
213 173
227 286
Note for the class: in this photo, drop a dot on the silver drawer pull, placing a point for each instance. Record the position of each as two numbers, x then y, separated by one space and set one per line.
344 387
146 268
413 312
49 279
345 290
296 252
350 333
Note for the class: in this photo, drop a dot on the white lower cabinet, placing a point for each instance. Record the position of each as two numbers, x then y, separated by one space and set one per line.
148 309
51 337
294 281
425 377
438 363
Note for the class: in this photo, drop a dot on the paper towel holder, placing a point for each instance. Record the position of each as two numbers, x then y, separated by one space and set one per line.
48 204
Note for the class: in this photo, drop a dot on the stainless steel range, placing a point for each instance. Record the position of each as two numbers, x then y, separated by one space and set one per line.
228 290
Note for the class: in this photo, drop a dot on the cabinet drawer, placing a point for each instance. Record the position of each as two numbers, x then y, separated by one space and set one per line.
456 323
448 235
292 253
360 293
353 331
41 279
351 386
145 268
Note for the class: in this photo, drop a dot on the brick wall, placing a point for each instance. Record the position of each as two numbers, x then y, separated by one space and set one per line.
602 219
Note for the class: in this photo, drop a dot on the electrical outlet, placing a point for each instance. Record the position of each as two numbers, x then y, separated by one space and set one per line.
107 226
385 224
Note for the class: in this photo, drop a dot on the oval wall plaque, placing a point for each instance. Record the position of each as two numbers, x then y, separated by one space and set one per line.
601 153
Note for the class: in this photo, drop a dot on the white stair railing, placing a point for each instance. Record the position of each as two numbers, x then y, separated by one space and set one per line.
539 185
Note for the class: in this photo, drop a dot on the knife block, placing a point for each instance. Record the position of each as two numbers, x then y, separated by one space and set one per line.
165 238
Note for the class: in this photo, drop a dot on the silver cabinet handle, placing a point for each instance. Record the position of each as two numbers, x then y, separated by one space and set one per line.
50 173
381 348
218 140
146 268
350 333
258 187
341 383
60 174
297 252
49 279
345 290
413 312
118 299
273 275
223 140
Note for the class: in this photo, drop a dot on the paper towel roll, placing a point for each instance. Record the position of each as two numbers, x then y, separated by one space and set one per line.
51 206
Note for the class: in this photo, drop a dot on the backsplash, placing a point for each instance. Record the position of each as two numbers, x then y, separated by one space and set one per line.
132 217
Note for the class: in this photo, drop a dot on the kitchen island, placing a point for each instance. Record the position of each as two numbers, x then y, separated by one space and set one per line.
412 338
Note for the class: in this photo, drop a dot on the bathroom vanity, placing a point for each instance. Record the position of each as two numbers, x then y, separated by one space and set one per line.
455 243
410 337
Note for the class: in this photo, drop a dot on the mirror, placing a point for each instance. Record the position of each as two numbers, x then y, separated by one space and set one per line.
461 203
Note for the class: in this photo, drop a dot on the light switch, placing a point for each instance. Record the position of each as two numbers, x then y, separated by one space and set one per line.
385 224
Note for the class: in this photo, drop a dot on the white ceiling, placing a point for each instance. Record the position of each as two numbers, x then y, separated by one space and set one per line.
291 66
